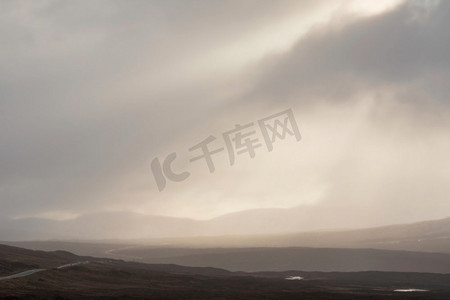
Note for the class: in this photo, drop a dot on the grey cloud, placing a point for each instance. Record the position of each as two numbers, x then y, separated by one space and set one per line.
404 47
73 126
67 139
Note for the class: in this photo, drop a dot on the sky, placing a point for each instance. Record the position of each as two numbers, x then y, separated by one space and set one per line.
91 92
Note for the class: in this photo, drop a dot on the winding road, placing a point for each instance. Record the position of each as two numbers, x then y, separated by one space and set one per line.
33 271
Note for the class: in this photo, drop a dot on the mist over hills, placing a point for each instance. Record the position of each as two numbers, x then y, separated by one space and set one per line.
128 225
139 230
426 236
98 226
228 231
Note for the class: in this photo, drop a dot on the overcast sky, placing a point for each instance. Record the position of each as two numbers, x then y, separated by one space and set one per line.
92 91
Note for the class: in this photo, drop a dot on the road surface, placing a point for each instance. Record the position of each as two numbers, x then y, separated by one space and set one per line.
30 272
22 274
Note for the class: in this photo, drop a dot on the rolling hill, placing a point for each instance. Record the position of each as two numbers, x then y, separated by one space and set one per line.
115 279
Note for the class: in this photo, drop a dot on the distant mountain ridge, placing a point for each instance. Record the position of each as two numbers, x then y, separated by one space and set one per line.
426 236
429 236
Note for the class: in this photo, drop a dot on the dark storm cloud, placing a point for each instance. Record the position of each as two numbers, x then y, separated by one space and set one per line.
406 47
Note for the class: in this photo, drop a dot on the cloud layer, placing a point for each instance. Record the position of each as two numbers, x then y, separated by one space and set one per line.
92 92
